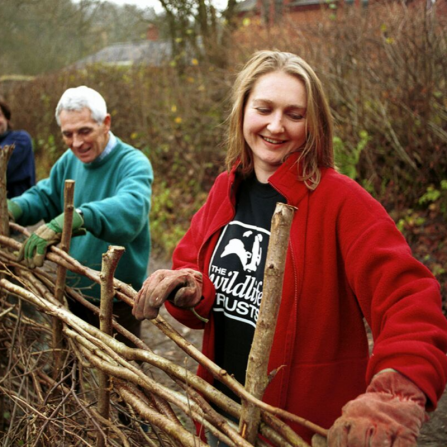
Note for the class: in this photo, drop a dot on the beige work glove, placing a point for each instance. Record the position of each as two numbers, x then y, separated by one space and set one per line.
182 287
390 413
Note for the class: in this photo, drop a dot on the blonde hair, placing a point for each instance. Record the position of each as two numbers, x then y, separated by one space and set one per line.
318 151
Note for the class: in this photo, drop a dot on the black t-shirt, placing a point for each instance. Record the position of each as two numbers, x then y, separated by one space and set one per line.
237 272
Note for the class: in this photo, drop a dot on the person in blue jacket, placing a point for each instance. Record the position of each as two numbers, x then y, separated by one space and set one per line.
112 198
20 172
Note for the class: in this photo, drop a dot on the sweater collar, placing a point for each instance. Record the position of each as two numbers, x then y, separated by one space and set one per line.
109 147
101 160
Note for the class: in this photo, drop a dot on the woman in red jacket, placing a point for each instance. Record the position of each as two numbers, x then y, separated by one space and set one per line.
346 262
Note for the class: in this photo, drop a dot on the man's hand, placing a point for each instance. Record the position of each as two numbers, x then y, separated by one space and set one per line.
14 210
182 287
35 247
390 413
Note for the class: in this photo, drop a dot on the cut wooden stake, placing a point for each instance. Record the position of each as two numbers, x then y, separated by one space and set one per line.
61 273
256 379
109 264
5 154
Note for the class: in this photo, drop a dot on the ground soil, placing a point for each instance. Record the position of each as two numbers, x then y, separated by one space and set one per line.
433 434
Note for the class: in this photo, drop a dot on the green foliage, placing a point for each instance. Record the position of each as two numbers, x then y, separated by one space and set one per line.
411 219
51 151
171 212
346 158
431 195
436 198
165 232
426 232
437 270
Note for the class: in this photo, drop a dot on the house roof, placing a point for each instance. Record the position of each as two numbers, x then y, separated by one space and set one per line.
251 5
246 6
306 2
147 52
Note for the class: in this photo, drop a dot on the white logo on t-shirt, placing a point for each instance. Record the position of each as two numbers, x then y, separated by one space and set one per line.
237 271
237 247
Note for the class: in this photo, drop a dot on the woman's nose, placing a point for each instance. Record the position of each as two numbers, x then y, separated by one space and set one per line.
276 124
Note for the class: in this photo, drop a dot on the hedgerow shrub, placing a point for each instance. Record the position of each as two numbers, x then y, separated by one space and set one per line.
385 74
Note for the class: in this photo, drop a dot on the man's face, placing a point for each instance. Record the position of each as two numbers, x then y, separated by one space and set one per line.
3 122
83 135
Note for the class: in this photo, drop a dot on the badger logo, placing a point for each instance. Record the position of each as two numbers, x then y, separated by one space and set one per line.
249 259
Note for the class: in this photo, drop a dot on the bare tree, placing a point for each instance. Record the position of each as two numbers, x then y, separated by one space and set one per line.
196 28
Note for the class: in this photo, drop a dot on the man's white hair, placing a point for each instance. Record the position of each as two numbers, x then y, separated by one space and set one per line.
78 98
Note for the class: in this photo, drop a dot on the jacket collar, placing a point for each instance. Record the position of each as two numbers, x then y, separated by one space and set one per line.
285 180
4 135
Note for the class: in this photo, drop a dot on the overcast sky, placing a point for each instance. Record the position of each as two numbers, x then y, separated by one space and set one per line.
140 3
220 4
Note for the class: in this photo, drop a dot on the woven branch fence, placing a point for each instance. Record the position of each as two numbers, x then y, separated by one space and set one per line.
67 383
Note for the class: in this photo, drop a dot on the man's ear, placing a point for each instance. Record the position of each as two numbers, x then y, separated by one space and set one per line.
108 121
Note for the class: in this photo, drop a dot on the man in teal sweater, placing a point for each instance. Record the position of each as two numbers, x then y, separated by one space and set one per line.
112 200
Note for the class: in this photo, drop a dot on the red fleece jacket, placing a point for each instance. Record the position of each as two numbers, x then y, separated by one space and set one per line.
346 260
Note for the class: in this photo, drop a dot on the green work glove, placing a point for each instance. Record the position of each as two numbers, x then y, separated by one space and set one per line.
35 247
14 210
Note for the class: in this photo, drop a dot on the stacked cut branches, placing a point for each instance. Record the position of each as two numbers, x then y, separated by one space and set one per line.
40 407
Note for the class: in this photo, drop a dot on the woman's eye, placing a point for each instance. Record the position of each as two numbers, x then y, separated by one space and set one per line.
263 110
296 115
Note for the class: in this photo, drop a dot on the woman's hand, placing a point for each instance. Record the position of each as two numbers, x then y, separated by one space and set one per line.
182 287
390 413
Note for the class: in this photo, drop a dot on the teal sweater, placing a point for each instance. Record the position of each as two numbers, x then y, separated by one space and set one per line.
114 195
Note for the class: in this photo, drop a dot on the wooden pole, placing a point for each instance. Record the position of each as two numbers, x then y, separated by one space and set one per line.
109 264
61 274
5 155
256 379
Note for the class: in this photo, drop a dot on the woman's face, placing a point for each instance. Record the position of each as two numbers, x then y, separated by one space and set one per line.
274 121
3 122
